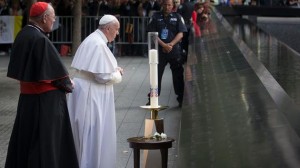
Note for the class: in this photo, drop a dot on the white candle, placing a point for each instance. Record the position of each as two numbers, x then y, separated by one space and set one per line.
153 56
153 61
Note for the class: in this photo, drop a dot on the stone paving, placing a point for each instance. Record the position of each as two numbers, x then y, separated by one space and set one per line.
129 96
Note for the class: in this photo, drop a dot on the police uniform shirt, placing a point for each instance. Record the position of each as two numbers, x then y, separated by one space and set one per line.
167 27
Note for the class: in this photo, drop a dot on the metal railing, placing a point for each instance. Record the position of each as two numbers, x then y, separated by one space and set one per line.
132 29
132 33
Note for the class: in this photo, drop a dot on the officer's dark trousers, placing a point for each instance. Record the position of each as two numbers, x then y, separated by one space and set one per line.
177 74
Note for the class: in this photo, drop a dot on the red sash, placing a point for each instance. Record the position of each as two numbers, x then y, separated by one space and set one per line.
35 87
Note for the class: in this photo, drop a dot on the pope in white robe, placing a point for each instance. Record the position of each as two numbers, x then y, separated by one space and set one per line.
91 105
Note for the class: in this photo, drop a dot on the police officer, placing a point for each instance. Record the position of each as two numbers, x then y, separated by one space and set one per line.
170 27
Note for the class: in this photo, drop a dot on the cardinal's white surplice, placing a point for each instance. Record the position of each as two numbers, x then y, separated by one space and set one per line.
91 105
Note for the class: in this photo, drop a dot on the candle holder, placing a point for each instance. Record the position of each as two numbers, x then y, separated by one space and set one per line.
154 124
154 111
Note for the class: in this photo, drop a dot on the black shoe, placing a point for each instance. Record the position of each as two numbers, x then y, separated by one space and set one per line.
148 104
180 99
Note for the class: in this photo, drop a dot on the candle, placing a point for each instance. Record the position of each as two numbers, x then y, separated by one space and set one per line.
153 61
153 58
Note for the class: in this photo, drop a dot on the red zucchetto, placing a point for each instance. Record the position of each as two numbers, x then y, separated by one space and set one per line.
38 8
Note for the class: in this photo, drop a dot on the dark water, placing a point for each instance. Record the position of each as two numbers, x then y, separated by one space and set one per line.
280 58
287 32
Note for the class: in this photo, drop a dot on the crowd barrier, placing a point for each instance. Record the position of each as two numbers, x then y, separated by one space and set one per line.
132 29
132 38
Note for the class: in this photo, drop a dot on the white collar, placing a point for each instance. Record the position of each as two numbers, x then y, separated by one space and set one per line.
36 27
102 35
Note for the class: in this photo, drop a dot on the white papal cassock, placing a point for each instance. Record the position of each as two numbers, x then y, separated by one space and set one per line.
91 105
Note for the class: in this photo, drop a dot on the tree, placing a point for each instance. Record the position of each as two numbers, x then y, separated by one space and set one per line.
77 15
27 4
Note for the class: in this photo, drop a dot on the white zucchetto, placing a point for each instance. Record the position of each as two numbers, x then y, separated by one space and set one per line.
107 19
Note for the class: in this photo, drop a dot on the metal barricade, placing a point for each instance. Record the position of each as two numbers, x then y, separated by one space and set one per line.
132 30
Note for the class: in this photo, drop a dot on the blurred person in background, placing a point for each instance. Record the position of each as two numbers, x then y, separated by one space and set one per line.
129 10
151 6
186 10
15 9
4 10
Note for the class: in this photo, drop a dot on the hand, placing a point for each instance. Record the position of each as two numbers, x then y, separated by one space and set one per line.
165 50
73 84
120 70
168 48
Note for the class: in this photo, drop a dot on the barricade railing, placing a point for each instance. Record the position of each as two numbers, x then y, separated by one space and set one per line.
132 29
132 33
